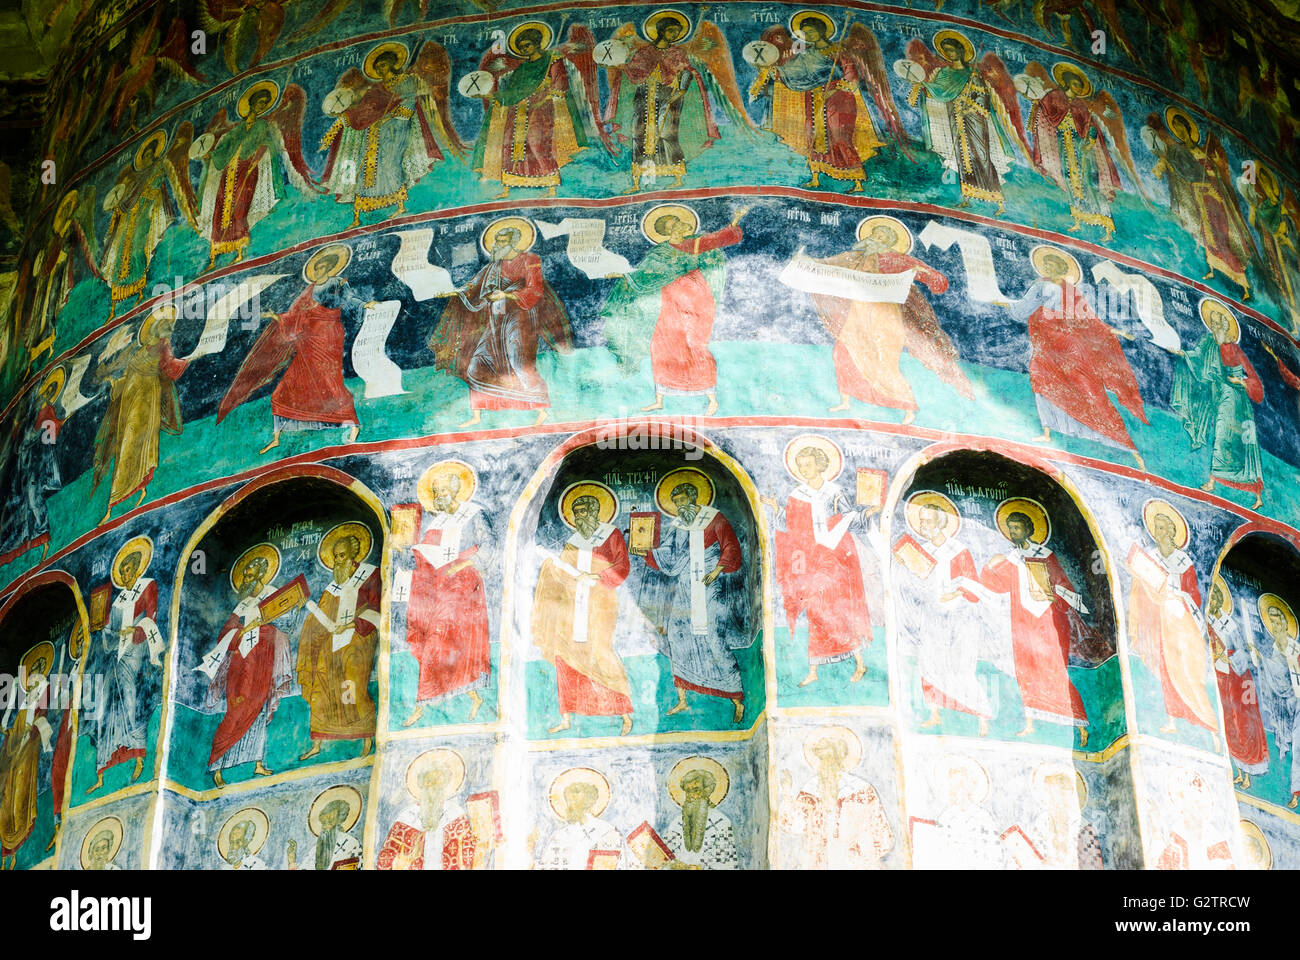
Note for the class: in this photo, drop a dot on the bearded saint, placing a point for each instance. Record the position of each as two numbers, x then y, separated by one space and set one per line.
434 833
1279 691
1243 724
702 838
838 815
20 757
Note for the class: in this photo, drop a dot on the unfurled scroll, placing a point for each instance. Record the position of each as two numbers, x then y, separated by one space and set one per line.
976 257
216 326
411 265
812 276
586 249
1150 308
382 377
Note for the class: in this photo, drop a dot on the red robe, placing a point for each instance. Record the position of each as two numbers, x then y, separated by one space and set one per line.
1177 855
579 693
1040 645
375 104
458 846
1076 359
59 762
1243 725
679 346
810 574
249 681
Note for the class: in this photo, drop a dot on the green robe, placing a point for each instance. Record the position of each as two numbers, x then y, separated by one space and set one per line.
1213 409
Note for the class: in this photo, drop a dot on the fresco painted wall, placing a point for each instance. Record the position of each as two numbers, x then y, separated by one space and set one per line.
653 436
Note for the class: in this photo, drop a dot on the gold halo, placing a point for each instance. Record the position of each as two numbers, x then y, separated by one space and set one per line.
57 375
368 67
957 35
77 640
267 550
834 455
41 651
527 233
1259 178
461 470
1270 601
1152 508
1251 831
141 544
349 794
588 488
722 782
579 775
1033 509
64 213
348 527
852 757
1062 70
246 97
342 250
547 35
166 310
158 137
663 492
1045 770
113 826
969 765
1211 305
801 15
903 240
1037 254
415 770
653 20
931 498
261 826
679 210
1222 584
1193 129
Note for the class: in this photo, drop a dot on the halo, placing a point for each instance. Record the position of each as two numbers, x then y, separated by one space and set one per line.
261 827
141 544
1155 506
801 15
57 375
245 99
449 758
1271 601
146 328
903 241
1037 254
463 471
1222 584
853 754
722 782
158 137
579 775
349 794
948 765
347 528
663 492
588 488
1033 509
527 234
1251 831
1270 192
77 640
342 250
1211 305
834 455
368 67
931 498
655 18
547 35
1062 70
113 826
267 550
1181 779
1045 770
64 212
957 35
41 651
1194 130
679 210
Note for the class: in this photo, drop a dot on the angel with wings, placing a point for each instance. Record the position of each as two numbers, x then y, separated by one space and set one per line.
1075 128
390 116
681 85
248 164
136 76
1201 195
151 194
972 116
1273 212
541 110
815 91
237 22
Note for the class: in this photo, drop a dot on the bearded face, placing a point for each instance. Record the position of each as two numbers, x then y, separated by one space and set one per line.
433 794
445 490
585 516
345 561
695 810
251 581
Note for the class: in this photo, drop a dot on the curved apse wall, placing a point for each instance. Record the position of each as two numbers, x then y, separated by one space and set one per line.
475 436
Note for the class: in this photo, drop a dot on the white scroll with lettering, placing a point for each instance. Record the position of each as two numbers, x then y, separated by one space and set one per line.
1150 308
217 324
976 257
412 266
811 276
586 246
382 377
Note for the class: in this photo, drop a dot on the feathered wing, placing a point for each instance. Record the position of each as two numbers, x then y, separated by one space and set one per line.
626 35
861 45
174 53
710 50
1041 74
1005 101
579 51
271 353
176 165
287 119
324 16
82 228
1107 113
918 52
432 67
1241 240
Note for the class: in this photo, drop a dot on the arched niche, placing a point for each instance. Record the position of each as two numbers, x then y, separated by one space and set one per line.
278 606
1010 694
43 631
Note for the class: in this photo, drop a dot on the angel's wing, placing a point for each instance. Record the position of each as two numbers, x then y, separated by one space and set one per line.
176 165
1107 113
287 120
709 48
580 52
626 35
1005 100
780 38
919 52
1041 74
82 228
1222 173
861 46
432 66
174 53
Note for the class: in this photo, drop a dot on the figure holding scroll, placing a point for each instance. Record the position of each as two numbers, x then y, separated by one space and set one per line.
493 327
575 609
336 649
817 558
249 668
1243 724
1077 358
870 336
1165 625
674 292
447 618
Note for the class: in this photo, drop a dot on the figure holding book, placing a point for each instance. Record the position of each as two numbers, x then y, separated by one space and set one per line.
437 831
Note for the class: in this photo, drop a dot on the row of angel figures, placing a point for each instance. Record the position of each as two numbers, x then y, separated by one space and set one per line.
672 91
